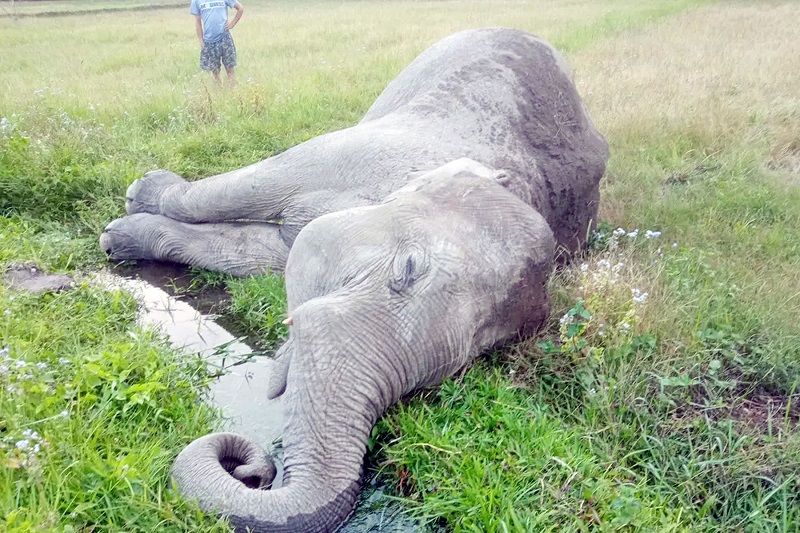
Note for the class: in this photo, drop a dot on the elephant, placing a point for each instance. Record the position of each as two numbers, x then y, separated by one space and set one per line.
410 243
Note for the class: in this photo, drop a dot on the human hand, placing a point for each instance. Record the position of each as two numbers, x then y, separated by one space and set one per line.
229 25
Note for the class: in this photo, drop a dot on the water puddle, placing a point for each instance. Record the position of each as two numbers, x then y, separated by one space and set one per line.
189 323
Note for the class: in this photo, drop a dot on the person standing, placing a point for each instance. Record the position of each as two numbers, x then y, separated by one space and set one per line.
213 32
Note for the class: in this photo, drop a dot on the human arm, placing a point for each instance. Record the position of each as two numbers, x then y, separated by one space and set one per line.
198 28
239 12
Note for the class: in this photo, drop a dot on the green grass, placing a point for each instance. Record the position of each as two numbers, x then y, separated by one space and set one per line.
677 412
603 423
258 304
92 409
74 7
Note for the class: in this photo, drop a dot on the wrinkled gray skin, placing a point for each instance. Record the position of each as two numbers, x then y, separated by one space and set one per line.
411 243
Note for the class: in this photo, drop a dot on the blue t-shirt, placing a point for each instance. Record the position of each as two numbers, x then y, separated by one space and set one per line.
214 14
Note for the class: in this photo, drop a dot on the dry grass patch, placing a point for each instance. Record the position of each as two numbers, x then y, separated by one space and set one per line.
726 73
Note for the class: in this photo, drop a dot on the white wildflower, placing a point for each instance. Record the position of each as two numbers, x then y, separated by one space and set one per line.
22 444
41 366
633 234
20 364
63 361
7 312
64 414
6 126
619 232
3 370
674 244
638 296
625 326
566 319
652 234
584 267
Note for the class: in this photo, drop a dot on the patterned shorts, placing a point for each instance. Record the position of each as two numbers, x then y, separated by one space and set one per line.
222 51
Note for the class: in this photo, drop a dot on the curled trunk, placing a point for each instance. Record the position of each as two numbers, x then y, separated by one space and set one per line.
228 474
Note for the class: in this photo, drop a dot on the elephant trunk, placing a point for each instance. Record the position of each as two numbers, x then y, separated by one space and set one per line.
335 391
228 474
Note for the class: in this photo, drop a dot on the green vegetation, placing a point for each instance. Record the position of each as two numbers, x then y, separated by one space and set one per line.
92 410
663 395
24 8
258 304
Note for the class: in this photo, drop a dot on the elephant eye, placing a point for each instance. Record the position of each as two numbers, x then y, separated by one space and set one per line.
404 277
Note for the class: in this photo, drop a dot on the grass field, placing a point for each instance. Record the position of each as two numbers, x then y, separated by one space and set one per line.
662 397
38 8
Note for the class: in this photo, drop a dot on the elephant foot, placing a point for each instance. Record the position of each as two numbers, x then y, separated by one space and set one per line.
128 238
144 195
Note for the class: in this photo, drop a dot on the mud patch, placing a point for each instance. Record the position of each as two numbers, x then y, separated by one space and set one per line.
178 281
28 277
767 414
693 174
786 161
181 283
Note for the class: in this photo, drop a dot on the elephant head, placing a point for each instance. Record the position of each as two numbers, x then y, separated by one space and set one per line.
382 300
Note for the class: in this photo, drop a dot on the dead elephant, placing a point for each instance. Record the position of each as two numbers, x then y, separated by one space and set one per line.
411 242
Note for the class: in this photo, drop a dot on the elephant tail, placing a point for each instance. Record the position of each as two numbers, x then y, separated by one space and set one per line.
230 475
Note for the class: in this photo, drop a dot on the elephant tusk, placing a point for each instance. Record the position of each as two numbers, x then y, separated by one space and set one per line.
288 322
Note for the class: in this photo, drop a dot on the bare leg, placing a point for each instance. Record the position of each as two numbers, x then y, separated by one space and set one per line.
331 172
231 77
216 77
241 249
251 193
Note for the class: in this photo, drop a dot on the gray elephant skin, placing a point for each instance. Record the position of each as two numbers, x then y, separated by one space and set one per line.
411 242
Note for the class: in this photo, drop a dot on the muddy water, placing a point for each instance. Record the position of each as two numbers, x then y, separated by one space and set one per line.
189 323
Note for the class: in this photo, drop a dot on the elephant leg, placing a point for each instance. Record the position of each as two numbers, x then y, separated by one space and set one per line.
240 249
247 194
